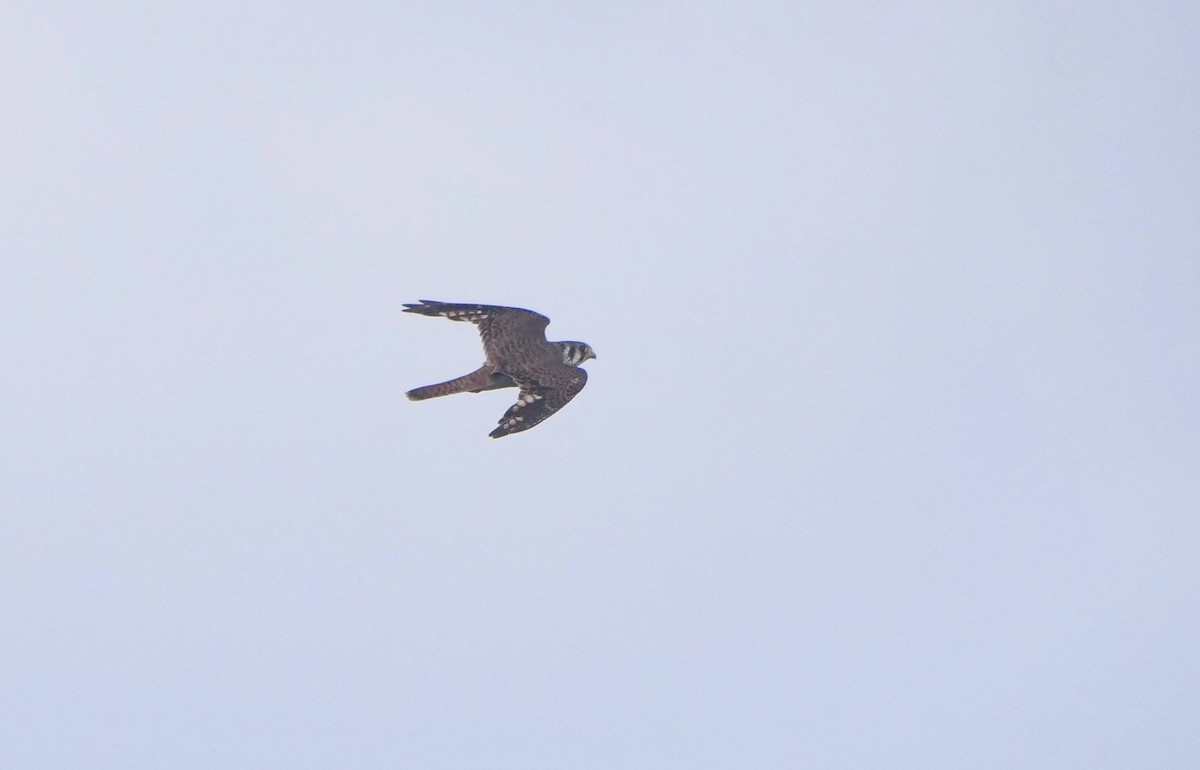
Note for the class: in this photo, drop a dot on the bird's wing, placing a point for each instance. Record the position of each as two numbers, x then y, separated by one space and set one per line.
501 328
542 394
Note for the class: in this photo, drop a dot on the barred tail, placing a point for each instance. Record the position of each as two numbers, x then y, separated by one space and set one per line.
478 380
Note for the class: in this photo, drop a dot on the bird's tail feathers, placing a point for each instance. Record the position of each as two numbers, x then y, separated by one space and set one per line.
480 379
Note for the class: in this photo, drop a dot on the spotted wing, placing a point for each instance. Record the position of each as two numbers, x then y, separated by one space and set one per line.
541 397
503 329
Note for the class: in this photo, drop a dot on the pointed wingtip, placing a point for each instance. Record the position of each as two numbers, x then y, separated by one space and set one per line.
423 307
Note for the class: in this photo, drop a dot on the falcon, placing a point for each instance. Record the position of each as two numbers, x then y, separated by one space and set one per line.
518 356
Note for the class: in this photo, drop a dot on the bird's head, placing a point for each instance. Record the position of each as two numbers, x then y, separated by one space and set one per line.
575 353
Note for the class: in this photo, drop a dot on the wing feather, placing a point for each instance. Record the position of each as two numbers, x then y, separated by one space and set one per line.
503 329
540 399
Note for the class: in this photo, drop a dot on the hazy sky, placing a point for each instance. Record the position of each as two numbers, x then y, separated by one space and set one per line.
890 457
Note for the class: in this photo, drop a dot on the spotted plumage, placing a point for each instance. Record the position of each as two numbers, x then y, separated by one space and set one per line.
517 355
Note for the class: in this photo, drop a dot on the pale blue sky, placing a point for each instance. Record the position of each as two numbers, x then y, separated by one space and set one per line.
889 458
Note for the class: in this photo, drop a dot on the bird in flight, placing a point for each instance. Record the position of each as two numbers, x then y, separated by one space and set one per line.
518 356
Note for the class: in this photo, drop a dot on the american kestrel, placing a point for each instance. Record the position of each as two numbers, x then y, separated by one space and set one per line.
518 355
